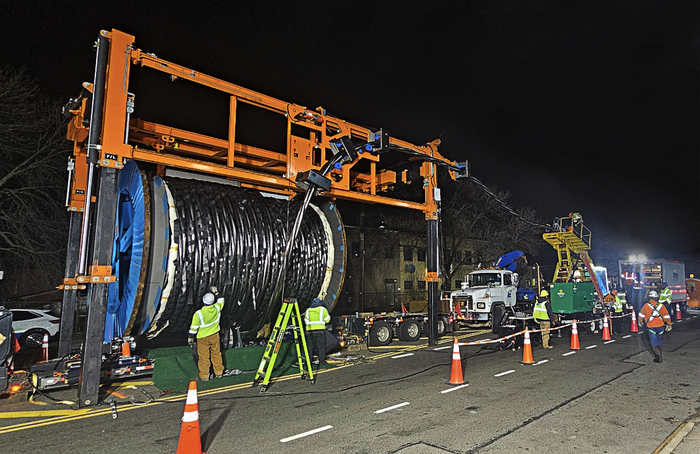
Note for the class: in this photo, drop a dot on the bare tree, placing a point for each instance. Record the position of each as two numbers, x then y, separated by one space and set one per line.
33 152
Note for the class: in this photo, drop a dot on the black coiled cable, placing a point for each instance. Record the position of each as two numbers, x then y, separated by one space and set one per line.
234 239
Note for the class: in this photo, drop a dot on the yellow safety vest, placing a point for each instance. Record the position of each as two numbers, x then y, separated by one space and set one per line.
617 305
540 311
665 296
316 318
205 321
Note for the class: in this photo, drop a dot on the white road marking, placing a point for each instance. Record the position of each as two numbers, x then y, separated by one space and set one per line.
393 407
625 337
541 362
443 348
567 354
590 347
609 342
305 434
505 373
453 389
402 356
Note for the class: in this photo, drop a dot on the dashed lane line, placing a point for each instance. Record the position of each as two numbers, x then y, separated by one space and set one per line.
402 356
590 347
567 354
393 407
305 434
505 373
454 389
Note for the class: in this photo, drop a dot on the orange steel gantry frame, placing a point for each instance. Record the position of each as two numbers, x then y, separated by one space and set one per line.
253 167
105 137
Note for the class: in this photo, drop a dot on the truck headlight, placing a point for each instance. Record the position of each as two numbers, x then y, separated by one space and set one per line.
481 305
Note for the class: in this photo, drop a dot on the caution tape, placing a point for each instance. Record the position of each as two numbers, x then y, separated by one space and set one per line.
532 331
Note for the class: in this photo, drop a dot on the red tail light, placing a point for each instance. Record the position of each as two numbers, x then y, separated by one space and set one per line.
55 322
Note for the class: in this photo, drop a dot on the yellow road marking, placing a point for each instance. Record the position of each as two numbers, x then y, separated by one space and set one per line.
89 413
41 414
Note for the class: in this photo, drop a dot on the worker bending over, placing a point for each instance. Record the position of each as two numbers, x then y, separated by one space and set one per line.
542 314
315 319
655 316
205 327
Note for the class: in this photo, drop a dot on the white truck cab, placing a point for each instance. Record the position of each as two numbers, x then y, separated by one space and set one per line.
483 291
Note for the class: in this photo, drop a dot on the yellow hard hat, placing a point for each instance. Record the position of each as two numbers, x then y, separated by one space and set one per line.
544 293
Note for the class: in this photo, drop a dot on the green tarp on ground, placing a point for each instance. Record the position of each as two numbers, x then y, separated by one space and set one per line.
174 367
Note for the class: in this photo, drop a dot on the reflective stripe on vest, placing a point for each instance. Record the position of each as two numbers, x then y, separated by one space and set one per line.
316 318
540 311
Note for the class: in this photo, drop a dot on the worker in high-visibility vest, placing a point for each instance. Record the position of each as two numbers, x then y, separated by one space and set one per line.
542 314
315 319
655 316
617 314
205 329
666 298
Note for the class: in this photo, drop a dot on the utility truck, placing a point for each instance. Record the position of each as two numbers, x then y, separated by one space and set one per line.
639 277
489 294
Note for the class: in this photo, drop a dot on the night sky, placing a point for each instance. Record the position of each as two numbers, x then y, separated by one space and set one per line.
580 106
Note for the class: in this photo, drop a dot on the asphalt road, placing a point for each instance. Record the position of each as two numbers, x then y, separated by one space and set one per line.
604 398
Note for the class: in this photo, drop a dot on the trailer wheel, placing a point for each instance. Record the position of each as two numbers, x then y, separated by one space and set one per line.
410 331
380 334
441 326
499 313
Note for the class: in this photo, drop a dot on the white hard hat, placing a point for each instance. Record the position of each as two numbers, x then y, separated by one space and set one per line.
208 299
653 295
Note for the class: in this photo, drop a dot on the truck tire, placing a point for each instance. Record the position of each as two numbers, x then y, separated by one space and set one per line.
442 326
380 334
410 330
498 313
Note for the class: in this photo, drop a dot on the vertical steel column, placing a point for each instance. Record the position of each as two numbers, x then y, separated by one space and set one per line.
97 293
70 296
433 290
93 143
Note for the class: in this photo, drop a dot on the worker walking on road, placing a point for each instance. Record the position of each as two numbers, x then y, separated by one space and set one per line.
657 320
543 315
205 328
315 319
617 314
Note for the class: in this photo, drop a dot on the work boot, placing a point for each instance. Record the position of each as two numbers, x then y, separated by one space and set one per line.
657 354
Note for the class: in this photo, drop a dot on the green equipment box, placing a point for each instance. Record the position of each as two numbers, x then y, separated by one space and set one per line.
572 298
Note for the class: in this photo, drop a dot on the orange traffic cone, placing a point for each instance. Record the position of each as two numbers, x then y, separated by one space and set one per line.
45 348
403 309
190 439
574 337
634 328
126 348
606 329
678 312
16 343
527 349
456 377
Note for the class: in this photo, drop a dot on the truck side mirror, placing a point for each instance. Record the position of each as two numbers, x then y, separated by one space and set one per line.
516 279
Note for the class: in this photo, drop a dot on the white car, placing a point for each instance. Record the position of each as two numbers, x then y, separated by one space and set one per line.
31 325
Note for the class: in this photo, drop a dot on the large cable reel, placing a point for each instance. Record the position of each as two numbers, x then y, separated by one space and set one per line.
176 237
